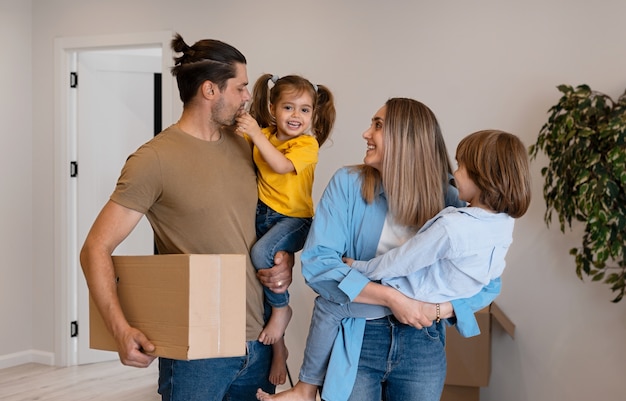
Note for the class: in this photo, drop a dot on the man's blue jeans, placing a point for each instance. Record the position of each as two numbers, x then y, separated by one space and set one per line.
217 379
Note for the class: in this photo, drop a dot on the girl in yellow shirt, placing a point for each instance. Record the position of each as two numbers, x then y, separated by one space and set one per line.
287 124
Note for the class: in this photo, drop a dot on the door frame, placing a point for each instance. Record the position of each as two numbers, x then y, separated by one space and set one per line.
65 224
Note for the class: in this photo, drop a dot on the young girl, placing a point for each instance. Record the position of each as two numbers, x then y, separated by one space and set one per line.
452 256
287 125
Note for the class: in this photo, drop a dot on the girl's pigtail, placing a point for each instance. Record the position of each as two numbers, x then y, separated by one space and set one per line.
324 115
260 107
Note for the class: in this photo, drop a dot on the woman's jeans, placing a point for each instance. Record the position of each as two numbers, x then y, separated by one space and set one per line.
276 232
217 379
399 362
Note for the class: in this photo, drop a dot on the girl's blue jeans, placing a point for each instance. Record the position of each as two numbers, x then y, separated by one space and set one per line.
276 232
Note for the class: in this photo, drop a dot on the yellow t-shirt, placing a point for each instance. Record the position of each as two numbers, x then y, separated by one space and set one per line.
289 194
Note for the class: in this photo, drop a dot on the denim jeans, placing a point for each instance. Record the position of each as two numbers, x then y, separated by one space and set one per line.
325 323
400 363
217 379
276 232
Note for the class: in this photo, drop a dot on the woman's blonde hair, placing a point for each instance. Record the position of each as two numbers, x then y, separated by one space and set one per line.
415 164
497 163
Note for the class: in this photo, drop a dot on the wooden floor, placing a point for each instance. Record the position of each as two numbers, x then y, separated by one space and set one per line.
102 381
105 381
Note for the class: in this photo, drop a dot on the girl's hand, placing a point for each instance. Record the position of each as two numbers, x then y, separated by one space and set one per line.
247 125
347 261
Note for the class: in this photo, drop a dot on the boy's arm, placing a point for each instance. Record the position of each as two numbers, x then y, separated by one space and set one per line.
421 250
464 309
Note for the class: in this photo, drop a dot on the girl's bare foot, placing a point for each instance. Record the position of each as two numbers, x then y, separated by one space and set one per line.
300 392
278 371
276 326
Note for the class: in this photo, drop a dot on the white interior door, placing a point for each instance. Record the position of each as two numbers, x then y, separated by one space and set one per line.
115 115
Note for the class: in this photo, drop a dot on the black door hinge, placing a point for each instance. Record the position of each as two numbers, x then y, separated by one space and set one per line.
73 80
74 329
73 169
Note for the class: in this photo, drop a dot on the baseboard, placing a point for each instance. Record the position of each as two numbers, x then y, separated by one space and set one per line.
30 356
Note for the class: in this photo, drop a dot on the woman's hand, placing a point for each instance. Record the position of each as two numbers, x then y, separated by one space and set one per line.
412 312
347 261
417 313
407 310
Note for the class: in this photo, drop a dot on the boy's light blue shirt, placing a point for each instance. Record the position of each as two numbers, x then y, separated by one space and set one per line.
452 256
345 225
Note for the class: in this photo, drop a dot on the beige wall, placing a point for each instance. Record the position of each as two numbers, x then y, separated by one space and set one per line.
16 181
480 64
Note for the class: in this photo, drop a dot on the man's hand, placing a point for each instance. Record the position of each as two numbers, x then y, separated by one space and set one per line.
134 348
279 277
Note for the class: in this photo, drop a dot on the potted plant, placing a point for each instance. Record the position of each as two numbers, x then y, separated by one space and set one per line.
585 180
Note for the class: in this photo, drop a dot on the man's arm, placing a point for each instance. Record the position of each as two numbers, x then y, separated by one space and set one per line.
112 226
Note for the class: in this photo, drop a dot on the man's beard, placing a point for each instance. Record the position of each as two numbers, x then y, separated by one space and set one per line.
222 116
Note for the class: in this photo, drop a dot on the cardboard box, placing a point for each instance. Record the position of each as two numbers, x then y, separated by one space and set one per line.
189 306
460 393
469 359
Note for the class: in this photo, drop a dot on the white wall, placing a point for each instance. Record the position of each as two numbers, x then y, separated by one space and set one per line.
479 64
16 180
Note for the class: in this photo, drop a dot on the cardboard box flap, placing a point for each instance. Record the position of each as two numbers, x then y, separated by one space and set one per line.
469 359
503 320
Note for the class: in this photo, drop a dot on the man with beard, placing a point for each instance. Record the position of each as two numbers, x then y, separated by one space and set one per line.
196 184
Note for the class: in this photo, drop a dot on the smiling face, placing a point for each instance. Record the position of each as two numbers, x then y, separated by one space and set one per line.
375 143
293 114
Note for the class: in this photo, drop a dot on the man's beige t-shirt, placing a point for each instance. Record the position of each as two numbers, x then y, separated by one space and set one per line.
200 197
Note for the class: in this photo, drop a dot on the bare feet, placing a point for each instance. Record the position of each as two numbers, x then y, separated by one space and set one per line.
300 392
278 370
276 326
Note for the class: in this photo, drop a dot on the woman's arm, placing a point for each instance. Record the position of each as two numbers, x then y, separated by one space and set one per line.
343 225
407 310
